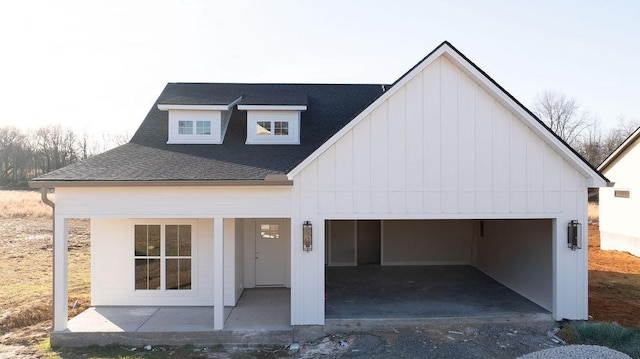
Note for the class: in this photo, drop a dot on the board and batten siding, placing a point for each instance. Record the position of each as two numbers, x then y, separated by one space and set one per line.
113 273
438 147
115 210
174 202
619 224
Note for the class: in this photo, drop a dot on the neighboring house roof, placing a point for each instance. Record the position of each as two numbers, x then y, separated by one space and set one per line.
148 157
595 178
332 110
611 159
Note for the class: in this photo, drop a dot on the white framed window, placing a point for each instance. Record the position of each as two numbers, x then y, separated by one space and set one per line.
263 128
195 127
163 257
185 127
281 128
622 193
273 127
203 128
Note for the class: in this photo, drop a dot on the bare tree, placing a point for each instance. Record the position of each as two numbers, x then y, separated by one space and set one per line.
15 154
590 144
562 114
616 136
56 147
28 154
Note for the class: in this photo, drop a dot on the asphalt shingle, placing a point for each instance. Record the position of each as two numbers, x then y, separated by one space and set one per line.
148 157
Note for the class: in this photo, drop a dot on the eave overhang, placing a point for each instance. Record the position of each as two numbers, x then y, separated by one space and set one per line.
187 183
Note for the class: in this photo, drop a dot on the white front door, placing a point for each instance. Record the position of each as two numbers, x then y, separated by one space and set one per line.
270 253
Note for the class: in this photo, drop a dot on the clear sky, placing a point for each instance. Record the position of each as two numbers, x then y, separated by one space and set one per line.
98 66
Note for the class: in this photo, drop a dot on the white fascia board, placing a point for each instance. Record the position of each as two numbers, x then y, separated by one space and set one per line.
618 151
272 107
162 107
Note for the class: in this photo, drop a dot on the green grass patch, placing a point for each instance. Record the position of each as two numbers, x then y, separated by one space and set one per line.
611 335
156 352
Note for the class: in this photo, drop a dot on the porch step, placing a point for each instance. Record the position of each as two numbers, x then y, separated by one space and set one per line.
225 337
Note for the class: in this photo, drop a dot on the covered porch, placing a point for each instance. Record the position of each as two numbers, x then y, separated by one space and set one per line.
261 316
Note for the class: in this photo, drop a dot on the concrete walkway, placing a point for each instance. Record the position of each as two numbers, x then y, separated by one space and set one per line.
261 316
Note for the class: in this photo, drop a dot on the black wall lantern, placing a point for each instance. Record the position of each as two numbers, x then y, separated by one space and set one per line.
307 237
574 235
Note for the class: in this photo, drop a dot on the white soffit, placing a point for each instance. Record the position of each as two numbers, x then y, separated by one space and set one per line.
272 107
167 107
193 107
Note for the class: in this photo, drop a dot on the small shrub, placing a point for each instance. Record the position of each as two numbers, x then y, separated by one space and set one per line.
612 335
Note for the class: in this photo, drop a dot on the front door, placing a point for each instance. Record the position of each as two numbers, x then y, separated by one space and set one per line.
270 253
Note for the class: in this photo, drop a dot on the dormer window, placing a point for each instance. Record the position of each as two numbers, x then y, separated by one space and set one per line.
203 128
278 125
280 128
197 124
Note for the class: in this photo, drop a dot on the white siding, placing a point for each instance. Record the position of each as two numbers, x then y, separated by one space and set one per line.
439 147
217 128
517 253
112 231
174 202
619 224
112 271
230 262
462 154
239 254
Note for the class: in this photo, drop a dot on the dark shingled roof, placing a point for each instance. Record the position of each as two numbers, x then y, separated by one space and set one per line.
148 157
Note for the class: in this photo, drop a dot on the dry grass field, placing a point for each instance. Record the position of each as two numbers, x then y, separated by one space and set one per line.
25 268
26 271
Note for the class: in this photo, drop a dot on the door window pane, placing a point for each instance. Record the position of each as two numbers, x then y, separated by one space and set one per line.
269 231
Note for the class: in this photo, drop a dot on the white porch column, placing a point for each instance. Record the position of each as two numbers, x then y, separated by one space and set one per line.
60 274
218 273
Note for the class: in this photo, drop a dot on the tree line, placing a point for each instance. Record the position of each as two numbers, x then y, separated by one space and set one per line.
25 154
579 128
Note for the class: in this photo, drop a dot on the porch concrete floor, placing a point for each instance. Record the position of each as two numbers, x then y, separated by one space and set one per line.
375 291
264 309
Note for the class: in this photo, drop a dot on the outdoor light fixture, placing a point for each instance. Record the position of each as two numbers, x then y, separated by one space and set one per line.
307 238
574 235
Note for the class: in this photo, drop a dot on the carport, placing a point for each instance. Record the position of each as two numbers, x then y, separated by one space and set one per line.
438 268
